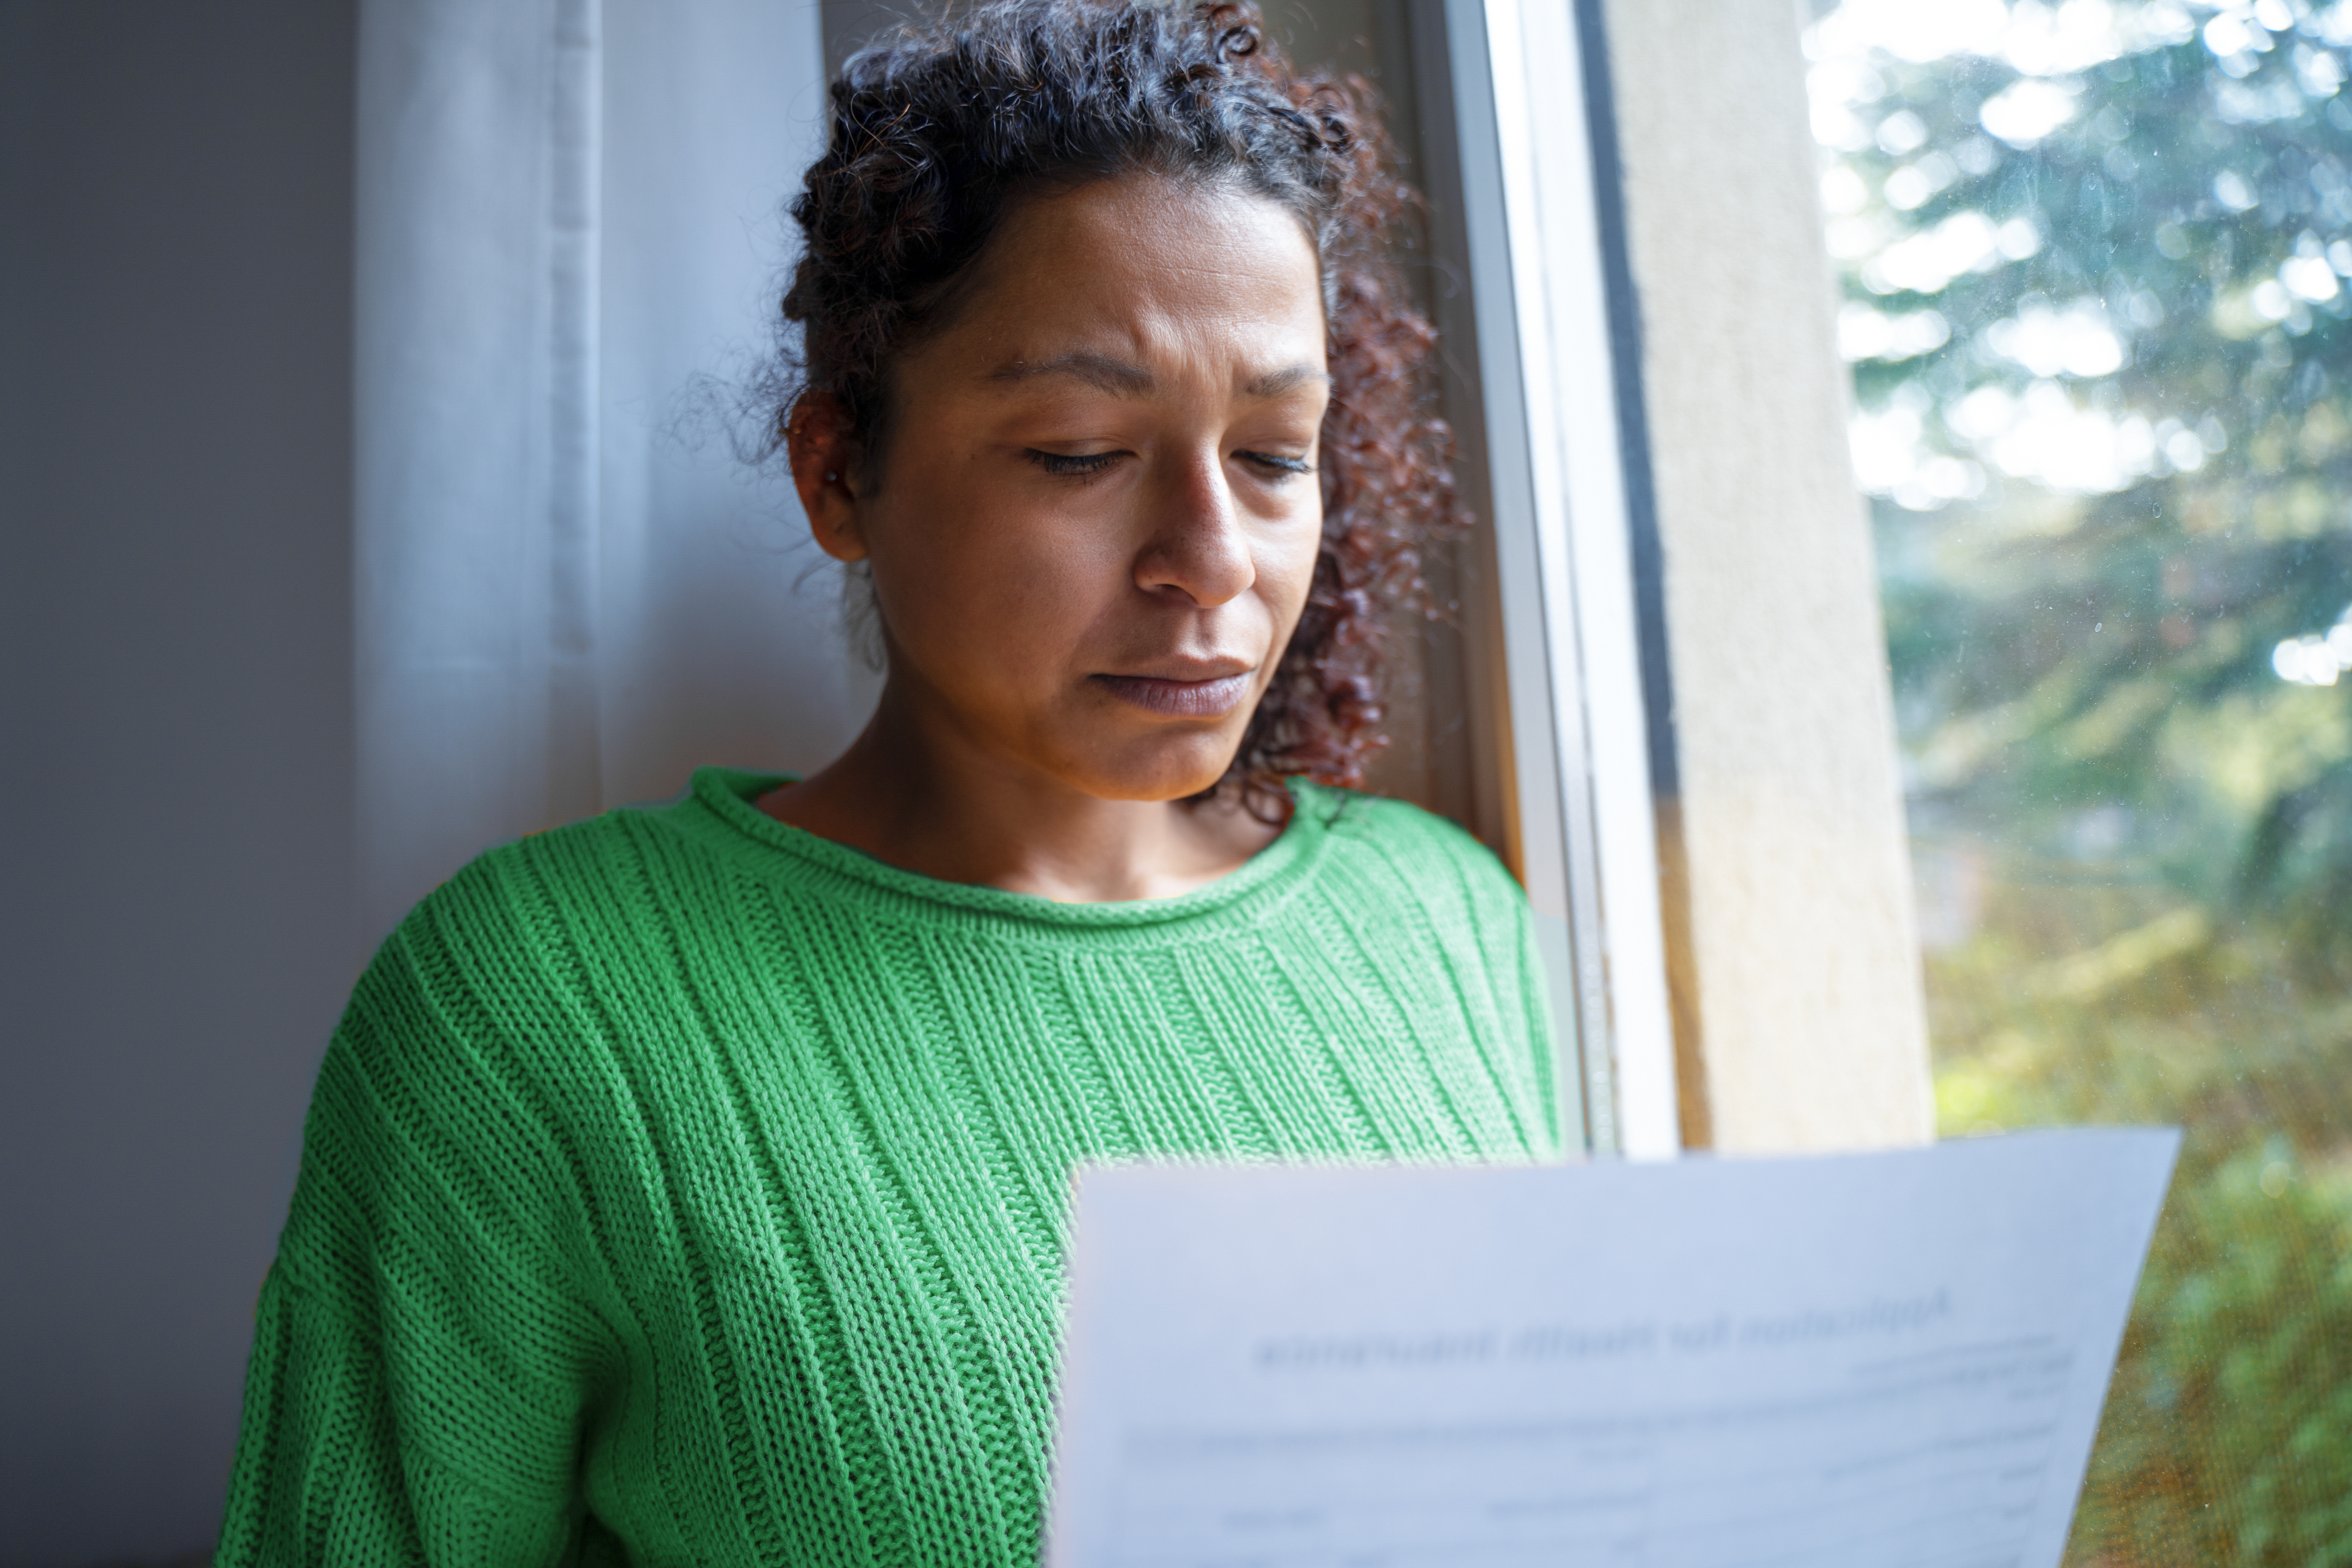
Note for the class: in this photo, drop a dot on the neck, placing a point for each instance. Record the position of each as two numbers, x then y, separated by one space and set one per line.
922 797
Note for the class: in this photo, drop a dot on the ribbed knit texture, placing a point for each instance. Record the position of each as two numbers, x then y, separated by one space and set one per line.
682 1188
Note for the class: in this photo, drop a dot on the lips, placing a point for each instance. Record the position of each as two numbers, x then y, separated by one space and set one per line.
1209 698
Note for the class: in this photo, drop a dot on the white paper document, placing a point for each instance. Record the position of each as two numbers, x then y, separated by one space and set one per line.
1875 1361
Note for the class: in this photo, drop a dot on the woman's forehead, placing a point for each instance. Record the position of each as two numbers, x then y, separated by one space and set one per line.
1136 378
1116 284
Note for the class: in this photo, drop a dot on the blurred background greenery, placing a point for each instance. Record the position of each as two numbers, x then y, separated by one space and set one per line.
2094 260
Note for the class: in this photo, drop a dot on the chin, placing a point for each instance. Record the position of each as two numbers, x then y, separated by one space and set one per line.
1175 769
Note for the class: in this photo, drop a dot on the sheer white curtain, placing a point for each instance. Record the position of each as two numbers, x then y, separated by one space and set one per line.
570 591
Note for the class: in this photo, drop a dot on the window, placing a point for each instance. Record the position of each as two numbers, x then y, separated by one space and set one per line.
2094 261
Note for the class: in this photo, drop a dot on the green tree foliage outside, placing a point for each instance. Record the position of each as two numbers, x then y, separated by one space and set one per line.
2095 261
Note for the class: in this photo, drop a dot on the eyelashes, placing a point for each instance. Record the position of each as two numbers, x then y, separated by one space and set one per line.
1071 467
1065 466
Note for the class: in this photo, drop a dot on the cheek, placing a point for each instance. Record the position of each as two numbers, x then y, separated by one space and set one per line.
1286 573
971 587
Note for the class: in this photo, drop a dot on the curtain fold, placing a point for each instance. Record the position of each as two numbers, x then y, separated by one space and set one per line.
570 590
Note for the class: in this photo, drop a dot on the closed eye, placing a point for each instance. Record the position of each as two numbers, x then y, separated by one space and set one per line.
1069 467
1080 464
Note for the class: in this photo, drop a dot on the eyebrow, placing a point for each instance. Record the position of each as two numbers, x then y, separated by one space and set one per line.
1116 376
1275 383
1123 379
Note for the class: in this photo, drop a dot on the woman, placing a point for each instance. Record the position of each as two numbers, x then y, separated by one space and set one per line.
686 1185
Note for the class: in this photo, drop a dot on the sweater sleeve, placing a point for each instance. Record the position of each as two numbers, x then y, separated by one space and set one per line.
421 1367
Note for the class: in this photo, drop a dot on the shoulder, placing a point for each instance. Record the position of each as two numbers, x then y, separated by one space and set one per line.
517 895
541 943
1370 826
626 877
1426 914
496 985
475 1041
1393 847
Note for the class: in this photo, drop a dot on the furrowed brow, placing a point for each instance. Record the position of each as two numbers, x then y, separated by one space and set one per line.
1116 376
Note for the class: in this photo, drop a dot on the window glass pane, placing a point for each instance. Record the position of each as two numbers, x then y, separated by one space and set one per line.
2094 259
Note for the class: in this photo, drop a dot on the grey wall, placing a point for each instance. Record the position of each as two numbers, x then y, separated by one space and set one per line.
175 930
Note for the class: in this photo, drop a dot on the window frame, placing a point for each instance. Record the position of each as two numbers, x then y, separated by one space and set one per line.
1572 717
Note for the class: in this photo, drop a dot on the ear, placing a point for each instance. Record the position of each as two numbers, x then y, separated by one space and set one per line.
818 446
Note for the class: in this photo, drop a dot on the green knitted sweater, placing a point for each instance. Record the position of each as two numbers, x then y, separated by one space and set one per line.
683 1188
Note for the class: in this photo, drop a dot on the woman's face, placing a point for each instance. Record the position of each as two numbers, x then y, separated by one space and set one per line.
1097 512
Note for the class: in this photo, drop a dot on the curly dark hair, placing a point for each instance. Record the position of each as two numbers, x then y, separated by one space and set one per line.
938 132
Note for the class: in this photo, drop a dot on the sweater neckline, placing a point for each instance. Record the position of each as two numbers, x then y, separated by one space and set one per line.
728 794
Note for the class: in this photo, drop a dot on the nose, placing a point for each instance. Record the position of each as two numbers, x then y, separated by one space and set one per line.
1197 545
